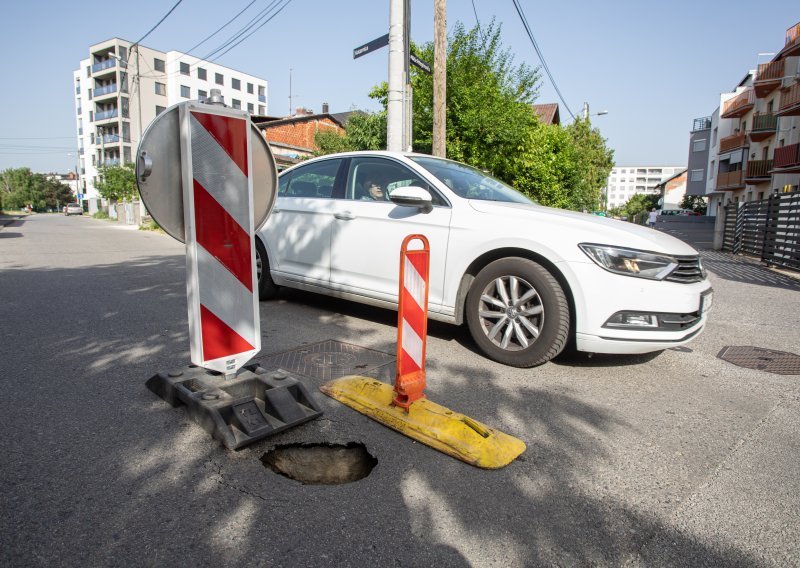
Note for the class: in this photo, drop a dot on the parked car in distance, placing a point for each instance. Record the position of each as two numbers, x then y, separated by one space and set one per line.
73 209
526 279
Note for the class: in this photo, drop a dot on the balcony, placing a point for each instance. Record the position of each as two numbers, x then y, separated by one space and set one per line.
732 142
787 158
110 162
765 124
703 123
106 114
262 98
768 78
730 180
739 105
792 45
790 101
110 138
104 65
758 171
107 90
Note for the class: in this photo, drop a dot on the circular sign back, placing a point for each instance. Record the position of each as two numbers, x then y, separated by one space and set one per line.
159 169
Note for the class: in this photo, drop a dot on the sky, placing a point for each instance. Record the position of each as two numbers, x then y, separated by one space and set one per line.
654 66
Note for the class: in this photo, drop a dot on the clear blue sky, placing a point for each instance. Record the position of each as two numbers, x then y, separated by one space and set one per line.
653 65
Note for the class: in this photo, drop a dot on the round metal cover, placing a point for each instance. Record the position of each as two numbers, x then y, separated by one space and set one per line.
159 170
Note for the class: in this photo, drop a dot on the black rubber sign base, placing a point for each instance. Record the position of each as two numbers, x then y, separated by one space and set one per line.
238 411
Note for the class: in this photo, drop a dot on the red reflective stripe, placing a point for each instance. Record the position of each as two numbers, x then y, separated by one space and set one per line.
223 238
420 261
413 314
219 340
230 133
407 365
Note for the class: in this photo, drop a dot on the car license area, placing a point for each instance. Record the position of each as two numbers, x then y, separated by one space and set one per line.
706 301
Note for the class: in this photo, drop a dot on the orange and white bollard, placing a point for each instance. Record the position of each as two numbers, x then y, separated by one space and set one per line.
412 322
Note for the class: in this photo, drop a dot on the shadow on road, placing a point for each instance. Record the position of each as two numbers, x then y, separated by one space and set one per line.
98 471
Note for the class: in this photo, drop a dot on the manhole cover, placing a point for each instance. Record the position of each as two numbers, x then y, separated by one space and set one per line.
321 464
331 359
778 362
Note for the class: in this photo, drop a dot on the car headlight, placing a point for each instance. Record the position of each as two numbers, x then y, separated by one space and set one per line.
631 262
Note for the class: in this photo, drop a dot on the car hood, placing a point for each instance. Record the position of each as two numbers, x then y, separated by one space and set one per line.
584 227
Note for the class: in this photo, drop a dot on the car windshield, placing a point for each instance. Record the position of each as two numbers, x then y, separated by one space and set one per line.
468 182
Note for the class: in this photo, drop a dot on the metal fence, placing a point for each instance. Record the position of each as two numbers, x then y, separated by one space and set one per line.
768 229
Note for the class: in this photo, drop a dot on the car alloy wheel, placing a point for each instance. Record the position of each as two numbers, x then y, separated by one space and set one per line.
517 312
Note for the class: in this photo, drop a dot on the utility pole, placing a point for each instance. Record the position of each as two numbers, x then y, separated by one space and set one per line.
585 111
439 78
395 99
290 92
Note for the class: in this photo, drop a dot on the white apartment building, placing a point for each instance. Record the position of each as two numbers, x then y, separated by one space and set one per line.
121 87
626 181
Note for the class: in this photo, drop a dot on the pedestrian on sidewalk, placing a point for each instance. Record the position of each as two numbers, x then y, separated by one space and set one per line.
651 218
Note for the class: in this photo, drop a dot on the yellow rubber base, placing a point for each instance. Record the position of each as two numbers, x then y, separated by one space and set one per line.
427 422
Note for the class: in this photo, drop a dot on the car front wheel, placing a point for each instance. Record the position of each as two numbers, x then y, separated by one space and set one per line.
517 313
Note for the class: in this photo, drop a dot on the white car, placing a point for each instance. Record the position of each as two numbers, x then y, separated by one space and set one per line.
526 279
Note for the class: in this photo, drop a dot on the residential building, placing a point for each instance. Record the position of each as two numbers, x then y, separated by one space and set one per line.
292 139
121 87
547 113
753 137
626 181
672 191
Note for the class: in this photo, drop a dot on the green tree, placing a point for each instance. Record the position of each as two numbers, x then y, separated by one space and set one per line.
56 194
593 162
694 203
17 188
545 170
639 203
117 183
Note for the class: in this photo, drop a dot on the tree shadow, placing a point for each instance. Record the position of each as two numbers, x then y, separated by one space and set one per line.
99 471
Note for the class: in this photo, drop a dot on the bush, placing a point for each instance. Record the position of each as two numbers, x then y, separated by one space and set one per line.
100 215
151 225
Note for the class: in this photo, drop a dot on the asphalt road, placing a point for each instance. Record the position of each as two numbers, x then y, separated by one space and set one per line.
679 459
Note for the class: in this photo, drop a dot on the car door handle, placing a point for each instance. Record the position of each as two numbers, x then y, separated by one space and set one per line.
344 216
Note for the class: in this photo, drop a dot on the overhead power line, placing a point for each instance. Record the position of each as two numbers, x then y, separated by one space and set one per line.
541 57
219 29
158 23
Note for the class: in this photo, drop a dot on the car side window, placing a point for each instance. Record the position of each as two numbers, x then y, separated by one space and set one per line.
314 180
374 179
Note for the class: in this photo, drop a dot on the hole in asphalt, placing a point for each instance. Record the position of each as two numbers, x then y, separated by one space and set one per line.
321 464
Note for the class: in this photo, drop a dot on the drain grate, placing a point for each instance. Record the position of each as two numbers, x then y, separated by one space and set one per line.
331 359
778 362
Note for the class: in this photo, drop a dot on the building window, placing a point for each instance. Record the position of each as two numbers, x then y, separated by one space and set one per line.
714 137
711 170
250 88
160 109
185 92
250 108
123 53
262 110
696 175
201 73
699 145
236 104
161 89
236 84
158 65
219 79
184 68
126 155
202 95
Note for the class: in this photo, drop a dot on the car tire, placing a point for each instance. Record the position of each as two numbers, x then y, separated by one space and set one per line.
267 289
517 313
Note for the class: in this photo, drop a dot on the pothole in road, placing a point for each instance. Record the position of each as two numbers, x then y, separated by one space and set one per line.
321 464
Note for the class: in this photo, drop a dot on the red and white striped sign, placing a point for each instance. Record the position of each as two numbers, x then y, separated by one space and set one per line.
220 248
412 322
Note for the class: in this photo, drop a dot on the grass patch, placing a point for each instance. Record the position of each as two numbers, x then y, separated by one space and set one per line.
151 225
101 215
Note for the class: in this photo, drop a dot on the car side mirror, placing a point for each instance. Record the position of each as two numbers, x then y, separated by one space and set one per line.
412 196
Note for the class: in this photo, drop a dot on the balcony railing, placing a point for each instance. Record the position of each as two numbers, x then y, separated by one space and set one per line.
110 138
106 114
101 65
732 142
771 71
787 156
701 123
110 162
793 34
100 91
729 179
764 121
758 168
790 97
738 105
262 98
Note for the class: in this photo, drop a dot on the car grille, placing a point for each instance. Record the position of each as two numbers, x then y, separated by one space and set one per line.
689 270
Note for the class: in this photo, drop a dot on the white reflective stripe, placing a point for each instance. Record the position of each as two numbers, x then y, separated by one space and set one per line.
414 283
214 169
225 296
412 344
